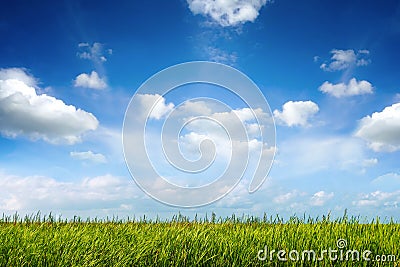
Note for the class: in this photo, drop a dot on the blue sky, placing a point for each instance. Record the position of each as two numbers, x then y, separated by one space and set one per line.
327 68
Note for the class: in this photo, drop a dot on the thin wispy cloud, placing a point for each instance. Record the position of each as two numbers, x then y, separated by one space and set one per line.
89 156
344 59
95 52
218 55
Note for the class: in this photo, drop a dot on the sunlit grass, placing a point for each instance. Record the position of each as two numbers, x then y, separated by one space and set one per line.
48 241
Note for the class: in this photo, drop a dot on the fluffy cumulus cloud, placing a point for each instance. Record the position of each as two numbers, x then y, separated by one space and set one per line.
39 116
91 80
227 13
352 88
296 113
18 74
344 59
382 129
160 109
89 156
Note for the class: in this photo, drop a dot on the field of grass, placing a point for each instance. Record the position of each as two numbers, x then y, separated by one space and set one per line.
46 241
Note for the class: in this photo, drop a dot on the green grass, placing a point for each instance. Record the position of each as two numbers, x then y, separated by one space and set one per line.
46 241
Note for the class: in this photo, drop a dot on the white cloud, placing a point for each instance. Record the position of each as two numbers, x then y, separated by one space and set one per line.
363 62
370 162
245 115
19 74
91 80
304 155
221 56
386 200
363 51
387 181
160 109
24 112
353 88
287 197
227 13
382 129
296 113
344 59
195 108
89 155
320 198
33 193
341 59
225 131
95 52
205 129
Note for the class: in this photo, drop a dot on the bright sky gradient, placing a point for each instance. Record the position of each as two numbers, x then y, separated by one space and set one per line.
329 70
